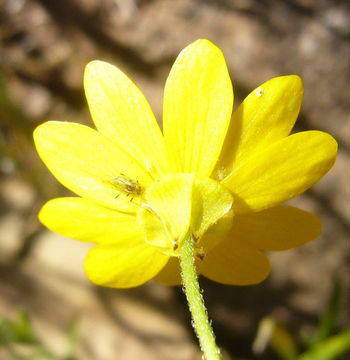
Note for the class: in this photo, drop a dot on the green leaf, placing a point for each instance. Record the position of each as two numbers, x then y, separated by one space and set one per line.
329 349
330 316
7 334
24 330
72 338
19 331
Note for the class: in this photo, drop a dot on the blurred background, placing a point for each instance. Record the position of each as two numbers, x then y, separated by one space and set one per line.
47 307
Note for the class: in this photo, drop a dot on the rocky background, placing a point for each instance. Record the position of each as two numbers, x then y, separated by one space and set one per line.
44 46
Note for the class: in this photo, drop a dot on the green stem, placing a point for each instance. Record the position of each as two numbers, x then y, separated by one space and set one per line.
195 301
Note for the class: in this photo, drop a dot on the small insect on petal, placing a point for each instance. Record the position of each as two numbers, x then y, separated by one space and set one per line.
129 186
259 92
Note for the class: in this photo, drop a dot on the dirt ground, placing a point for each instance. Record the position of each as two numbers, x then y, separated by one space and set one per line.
44 47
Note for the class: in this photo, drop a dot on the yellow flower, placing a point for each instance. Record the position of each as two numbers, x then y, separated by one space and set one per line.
222 176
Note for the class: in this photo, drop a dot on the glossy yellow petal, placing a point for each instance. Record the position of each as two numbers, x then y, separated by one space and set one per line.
215 234
210 202
121 113
124 265
266 115
284 170
276 229
197 109
81 219
223 226
171 273
235 262
88 164
166 212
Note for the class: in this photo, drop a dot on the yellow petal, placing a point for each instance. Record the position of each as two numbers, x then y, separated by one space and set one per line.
88 164
166 211
276 229
235 262
223 226
123 265
197 109
210 202
81 219
284 170
170 274
121 113
266 115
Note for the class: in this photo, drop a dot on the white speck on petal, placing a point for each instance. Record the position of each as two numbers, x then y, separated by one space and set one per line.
221 173
149 165
259 92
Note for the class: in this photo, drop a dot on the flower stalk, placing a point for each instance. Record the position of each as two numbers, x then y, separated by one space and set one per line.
195 301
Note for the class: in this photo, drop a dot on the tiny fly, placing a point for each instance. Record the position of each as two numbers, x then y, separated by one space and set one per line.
129 186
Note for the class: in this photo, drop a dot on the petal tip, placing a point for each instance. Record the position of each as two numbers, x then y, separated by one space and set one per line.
93 64
40 129
289 82
41 215
202 46
36 132
330 144
97 69
296 82
39 134
203 42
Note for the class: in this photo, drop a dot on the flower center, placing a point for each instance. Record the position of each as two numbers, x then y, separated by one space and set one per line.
180 202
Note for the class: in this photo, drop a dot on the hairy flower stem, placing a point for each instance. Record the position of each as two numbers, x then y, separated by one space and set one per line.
201 323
